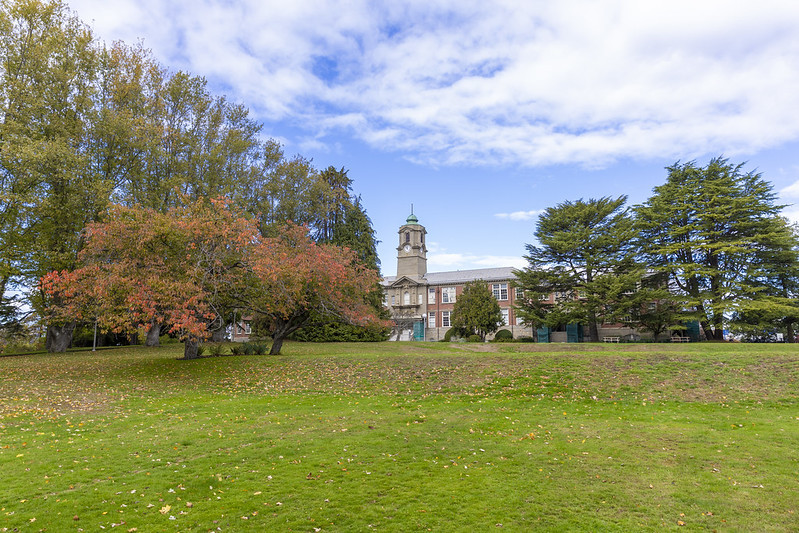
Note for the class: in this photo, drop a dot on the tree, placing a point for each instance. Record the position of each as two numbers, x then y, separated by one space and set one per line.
476 311
292 279
188 266
48 84
142 266
711 230
775 306
586 257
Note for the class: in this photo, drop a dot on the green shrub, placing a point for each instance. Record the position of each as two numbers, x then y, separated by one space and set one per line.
474 338
216 348
503 335
200 350
448 335
168 339
259 348
237 349
247 348
526 339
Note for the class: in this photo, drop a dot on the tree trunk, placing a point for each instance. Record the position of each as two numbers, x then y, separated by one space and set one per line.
593 330
790 333
218 335
59 338
190 348
277 344
153 335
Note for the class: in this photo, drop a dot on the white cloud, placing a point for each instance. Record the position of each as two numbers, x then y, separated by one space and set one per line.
792 214
791 191
475 83
519 215
446 261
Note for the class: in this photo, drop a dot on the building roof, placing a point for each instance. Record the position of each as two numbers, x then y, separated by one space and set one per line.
463 276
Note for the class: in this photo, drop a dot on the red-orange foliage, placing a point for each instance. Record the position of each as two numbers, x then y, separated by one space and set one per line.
185 267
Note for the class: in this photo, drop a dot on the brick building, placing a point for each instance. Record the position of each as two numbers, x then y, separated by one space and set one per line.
421 302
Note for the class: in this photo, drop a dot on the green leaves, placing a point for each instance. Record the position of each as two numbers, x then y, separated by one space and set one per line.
476 311
586 258
716 232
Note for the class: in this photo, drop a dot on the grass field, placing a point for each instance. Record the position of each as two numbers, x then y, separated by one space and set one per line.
403 437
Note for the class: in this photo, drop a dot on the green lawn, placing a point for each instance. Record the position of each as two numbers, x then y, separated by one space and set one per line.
403 437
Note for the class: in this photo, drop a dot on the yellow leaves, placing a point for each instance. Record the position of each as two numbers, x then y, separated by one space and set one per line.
165 509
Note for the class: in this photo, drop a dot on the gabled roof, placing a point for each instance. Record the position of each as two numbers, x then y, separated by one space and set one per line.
389 281
460 276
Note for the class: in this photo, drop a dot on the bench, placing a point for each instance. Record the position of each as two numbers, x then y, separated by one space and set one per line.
680 339
610 339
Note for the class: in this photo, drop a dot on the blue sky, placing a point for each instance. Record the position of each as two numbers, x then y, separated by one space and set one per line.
482 114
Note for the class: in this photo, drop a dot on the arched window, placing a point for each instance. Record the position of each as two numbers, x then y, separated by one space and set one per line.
406 299
407 236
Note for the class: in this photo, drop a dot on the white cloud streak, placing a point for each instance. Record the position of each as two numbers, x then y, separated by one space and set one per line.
445 261
519 215
476 83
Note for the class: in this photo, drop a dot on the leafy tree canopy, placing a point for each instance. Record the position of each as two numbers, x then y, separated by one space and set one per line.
476 311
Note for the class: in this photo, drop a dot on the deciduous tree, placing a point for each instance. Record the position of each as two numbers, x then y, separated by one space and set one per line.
186 267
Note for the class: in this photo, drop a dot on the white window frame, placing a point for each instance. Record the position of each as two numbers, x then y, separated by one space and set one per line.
431 295
519 293
500 291
448 295
420 298
406 298
505 316
431 319
445 321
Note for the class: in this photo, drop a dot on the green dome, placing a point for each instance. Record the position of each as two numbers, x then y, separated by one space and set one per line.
412 219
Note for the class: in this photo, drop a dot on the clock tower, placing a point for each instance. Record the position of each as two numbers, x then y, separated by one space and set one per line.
411 251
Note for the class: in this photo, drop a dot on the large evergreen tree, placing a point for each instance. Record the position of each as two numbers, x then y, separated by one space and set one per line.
714 230
586 257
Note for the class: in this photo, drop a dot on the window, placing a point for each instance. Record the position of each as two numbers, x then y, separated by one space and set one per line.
393 300
247 328
385 300
500 291
431 296
445 319
406 298
505 320
407 236
519 293
420 298
431 320
544 297
448 295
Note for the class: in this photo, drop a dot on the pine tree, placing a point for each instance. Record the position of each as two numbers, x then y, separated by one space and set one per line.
711 230
476 311
586 257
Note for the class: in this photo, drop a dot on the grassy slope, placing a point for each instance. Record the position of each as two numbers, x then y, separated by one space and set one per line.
400 437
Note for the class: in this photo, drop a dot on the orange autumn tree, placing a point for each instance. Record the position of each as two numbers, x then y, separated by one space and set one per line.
290 278
183 268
